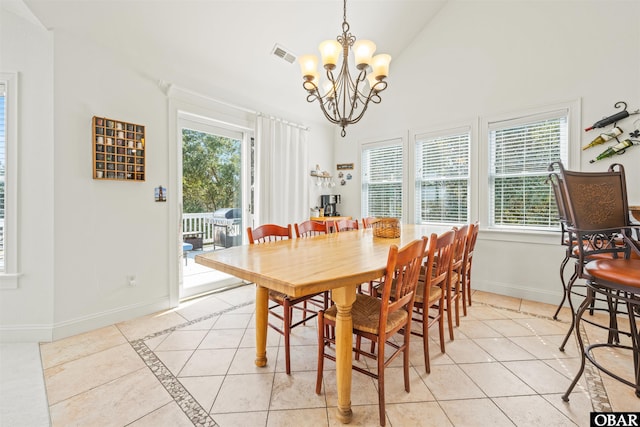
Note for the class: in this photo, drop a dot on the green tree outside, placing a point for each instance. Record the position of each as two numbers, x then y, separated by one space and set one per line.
210 172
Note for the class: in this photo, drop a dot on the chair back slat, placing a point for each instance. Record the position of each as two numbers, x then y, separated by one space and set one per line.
472 236
368 221
557 186
598 212
309 229
461 243
439 266
269 233
346 225
596 200
401 278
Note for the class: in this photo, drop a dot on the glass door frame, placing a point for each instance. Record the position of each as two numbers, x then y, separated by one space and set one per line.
184 104
212 127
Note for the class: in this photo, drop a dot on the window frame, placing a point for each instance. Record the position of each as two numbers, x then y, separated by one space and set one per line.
437 133
573 114
400 141
9 276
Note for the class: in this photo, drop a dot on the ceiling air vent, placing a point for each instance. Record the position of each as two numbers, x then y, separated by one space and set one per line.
283 53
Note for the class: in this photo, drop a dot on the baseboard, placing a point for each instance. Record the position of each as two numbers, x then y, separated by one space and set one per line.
47 333
26 333
517 291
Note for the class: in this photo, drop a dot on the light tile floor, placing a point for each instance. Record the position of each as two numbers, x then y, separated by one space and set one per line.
194 366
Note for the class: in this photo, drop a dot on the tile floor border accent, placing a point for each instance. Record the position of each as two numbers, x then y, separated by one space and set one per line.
201 418
191 408
595 385
185 401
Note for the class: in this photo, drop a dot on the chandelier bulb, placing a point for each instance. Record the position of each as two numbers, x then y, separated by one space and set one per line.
363 51
308 65
330 51
380 65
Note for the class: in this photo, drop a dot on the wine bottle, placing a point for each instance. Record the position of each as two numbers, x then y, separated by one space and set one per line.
608 120
616 149
604 137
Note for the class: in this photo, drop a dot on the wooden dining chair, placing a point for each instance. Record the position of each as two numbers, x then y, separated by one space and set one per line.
309 229
453 291
379 319
428 308
467 262
281 305
368 221
269 233
330 226
346 225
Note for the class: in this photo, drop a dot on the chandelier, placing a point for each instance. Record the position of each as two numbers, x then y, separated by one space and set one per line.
344 100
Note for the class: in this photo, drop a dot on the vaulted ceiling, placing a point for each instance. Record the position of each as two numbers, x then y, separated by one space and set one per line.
224 48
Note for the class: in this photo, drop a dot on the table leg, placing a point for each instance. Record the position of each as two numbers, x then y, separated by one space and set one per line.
262 313
344 299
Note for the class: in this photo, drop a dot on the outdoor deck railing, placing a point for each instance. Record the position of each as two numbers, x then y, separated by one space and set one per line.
213 229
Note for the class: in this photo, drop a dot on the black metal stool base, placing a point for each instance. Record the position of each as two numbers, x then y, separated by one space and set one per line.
633 304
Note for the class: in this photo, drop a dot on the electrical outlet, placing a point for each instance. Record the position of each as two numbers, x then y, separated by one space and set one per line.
131 280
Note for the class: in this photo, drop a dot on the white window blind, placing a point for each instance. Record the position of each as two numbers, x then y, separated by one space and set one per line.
442 177
382 180
520 152
9 262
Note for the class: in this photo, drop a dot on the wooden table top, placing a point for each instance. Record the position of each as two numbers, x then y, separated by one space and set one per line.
305 266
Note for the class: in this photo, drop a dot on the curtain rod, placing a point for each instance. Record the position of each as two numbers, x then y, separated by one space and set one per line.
278 119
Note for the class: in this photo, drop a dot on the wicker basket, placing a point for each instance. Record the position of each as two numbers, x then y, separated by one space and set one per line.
388 228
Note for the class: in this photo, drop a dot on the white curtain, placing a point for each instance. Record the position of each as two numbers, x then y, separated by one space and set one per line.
281 176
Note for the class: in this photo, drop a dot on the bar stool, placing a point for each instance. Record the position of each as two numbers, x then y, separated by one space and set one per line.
597 211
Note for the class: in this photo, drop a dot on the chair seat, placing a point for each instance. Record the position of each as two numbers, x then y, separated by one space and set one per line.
625 272
277 296
366 314
434 295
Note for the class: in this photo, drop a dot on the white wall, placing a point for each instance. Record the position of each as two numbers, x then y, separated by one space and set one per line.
105 230
26 312
483 58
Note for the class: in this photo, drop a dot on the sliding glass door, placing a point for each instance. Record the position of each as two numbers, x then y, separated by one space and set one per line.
214 206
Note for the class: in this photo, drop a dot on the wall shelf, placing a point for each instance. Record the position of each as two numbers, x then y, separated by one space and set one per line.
119 150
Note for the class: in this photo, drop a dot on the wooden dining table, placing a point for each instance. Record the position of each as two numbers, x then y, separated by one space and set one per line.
338 262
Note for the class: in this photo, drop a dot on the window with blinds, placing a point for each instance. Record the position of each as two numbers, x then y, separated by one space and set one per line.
442 177
382 180
520 152
9 275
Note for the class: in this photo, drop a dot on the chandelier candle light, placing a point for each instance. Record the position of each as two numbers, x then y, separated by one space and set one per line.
345 100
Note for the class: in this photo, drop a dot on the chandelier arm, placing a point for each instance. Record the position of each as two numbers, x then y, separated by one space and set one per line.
375 98
357 96
331 96
314 94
